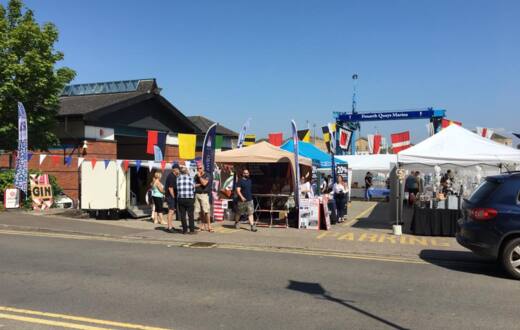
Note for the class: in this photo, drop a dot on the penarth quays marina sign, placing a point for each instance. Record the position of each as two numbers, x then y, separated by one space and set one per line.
394 115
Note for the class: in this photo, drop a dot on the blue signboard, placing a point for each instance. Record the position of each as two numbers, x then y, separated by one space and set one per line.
394 115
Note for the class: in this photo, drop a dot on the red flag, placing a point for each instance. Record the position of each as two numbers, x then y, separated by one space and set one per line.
344 138
276 139
377 143
163 164
55 160
445 123
400 141
152 141
125 164
93 162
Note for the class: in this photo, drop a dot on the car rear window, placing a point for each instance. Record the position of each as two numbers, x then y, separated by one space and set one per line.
483 191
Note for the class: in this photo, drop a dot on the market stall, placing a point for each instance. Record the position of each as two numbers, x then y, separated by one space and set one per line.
272 172
379 165
322 165
451 164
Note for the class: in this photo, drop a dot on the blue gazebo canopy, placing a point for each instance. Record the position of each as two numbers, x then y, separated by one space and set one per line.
319 157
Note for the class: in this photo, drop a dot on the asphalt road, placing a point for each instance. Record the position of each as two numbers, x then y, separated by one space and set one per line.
187 288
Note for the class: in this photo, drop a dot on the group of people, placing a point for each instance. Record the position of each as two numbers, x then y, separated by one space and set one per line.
188 197
339 191
185 195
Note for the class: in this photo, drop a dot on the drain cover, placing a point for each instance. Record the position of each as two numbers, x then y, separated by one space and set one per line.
202 245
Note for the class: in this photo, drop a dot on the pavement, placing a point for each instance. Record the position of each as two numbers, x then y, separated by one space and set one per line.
68 281
367 232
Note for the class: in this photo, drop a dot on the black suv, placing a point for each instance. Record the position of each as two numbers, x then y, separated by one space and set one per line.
490 223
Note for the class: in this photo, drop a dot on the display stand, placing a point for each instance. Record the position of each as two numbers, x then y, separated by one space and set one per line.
274 206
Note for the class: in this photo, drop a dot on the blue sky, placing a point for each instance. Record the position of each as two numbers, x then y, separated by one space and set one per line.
280 60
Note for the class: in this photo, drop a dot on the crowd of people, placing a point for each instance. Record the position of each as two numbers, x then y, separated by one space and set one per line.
188 197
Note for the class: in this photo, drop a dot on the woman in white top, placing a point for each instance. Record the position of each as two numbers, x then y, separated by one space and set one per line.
340 196
305 188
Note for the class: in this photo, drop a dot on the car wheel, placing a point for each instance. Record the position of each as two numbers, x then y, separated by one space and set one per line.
511 258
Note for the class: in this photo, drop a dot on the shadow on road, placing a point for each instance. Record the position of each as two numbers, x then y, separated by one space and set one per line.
379 218
462 261
316 290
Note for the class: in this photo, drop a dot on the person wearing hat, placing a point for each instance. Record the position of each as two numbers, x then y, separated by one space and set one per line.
171 194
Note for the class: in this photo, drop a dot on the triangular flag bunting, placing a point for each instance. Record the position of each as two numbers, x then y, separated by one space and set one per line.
93 162
107 162
80 161
42 157
163 164
126 162
119 162
137 165
29 156
55 160
68 161
150 165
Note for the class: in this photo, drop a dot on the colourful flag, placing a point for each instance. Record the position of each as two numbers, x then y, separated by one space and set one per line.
208 155
93 162
68 161
374 143
20 179
249 140
219 142
400 141
80 161
187 143
161 142
151 142
445 123
157 154
126 162
107 162
137 165
276 139
242 135
332 132
326 137
42 158
55 160
485 132
304 135
345 135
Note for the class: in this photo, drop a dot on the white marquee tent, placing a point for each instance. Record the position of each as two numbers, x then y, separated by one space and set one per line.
458 146
381 162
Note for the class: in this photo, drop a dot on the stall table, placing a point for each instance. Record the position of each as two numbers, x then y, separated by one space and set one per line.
434 222
271 204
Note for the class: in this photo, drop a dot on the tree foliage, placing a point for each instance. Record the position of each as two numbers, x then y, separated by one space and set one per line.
28 74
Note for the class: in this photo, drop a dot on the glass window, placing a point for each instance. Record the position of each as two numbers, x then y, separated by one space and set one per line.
483 191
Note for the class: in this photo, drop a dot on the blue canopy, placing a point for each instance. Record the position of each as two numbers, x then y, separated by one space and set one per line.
319 157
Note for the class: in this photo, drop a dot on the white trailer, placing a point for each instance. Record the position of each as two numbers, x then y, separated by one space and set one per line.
105 192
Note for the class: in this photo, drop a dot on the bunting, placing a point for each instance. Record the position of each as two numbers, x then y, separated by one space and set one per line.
374 143
276 139
151 142
304 135
80 161
93 162
485 132
126 162
187 144
107 162
400 141
137 165
445 123
250 140
42 158
345 135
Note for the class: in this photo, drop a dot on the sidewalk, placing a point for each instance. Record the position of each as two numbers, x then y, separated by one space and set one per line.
367 231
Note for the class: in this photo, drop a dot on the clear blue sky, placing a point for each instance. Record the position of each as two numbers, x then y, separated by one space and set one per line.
280 60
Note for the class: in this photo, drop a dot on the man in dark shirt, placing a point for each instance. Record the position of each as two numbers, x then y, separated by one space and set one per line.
368 184
170 188
245 200
202 191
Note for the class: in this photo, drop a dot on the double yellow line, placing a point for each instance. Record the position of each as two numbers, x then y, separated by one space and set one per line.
66 321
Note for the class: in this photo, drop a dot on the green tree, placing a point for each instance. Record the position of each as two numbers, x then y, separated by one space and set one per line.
28 74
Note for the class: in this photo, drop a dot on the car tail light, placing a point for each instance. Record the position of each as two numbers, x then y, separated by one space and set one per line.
483 213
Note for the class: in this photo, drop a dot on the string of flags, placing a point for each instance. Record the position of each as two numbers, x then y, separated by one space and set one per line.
56 160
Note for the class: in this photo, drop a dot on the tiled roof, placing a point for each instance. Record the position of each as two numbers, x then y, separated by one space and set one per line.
204 123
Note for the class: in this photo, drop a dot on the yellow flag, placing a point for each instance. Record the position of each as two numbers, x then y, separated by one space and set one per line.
187 143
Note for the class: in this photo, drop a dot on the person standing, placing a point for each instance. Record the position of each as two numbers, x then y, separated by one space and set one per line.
305 188
158 197
412 187
171 194
185 200
202 191
368 185
340 196
245 200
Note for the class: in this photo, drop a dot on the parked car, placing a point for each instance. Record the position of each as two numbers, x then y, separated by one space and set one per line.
490 223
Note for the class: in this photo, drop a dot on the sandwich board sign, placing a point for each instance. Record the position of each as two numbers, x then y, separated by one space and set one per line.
12 198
